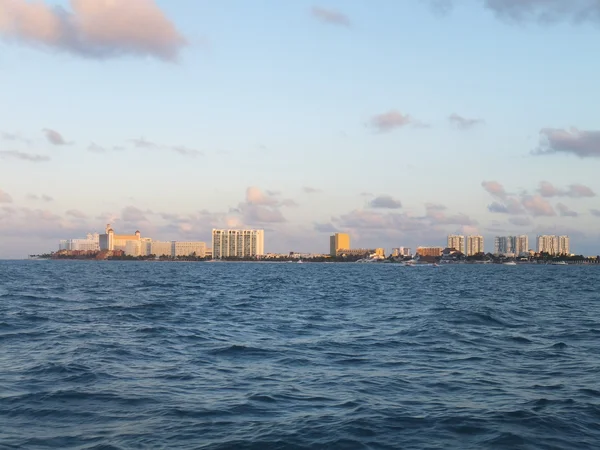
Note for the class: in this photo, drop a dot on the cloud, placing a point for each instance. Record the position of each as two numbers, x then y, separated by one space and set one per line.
392 120
494 188
595 212
95 148
14 137
311 190
584 144
93 28
43 198
548 190
386 202
133 214
182 150
462 123
536 205
366 194
437 216
564 211
76 214
520 221
254 196
256 214
14 154
546 11
5 197
330 16
325 227
54 137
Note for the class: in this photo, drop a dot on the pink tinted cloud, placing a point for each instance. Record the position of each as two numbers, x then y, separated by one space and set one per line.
536 205
93 28
494 188
392 120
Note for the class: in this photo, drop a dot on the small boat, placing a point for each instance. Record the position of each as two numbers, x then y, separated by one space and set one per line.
299 261
510 263
559 263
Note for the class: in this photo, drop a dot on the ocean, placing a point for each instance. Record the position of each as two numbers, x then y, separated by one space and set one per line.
120 355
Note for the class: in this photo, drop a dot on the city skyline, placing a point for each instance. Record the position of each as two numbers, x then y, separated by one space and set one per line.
301 119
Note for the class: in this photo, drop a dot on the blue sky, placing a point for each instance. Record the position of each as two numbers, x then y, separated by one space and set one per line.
388 119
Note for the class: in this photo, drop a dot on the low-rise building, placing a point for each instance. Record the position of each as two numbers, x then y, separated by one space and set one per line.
197 249
430 251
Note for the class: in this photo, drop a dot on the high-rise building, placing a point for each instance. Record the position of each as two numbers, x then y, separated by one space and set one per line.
338 241
111 241
548 244
564 245
554 245
401 251
238 243
91 243
522 244
456 242
474 245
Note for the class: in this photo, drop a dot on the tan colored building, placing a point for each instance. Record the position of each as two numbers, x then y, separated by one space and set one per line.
430 251
337 242
188 249
111 241
456 242
474 245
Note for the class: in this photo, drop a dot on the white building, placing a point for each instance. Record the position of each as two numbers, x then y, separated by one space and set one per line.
237 243
158 248
564 245
90 244
554 245
522 244
188 249
474 245
133 248
401 251
456 242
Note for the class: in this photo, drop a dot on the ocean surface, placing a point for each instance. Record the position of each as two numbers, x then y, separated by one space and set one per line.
119 355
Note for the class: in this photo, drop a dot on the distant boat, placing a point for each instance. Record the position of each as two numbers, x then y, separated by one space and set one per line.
510 263
559 263
299 261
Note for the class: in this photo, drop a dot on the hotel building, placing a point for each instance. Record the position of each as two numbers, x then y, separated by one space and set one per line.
511 245
337 242
90 244
553 245
456 242
474 245
111 241
237 243
188 249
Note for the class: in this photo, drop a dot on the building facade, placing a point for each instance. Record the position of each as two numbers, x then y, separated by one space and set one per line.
456 242
401 251
90 244
237 243
111 241
474 245
338 241
430 251
188 249
161 248
554 245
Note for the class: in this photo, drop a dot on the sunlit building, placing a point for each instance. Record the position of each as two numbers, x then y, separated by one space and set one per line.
237 243
188 249
158 248
456 242
338 241
111 241
474 245
401 251
554 245
90 244
430 251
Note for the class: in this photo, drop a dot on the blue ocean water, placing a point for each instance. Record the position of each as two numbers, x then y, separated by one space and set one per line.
117 355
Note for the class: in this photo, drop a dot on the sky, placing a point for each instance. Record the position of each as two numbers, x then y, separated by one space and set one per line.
397 121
